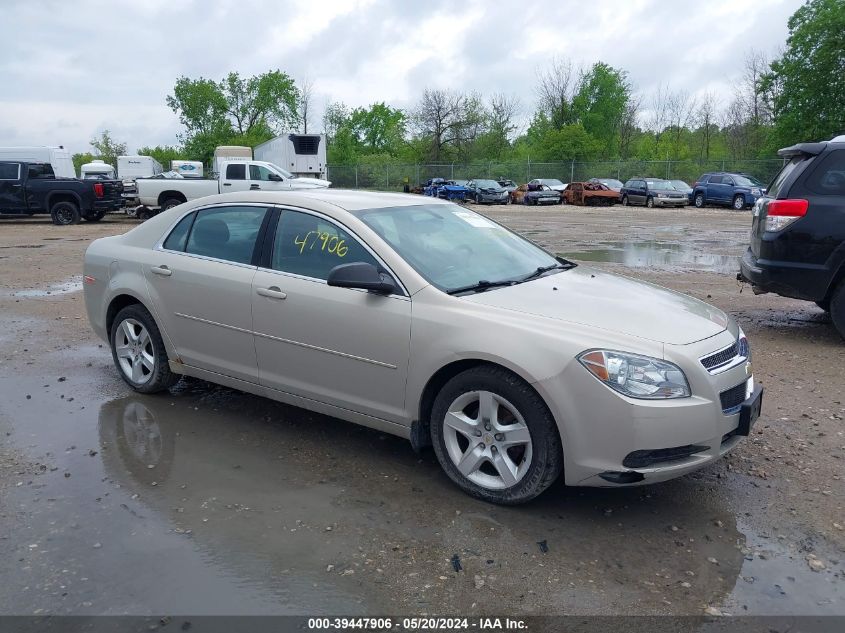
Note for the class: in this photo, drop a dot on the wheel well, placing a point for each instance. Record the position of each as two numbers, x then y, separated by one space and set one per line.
838 278
167 195
62 197
117 304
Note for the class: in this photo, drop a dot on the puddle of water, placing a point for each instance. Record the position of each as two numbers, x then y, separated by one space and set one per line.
24 246
74 284
658 255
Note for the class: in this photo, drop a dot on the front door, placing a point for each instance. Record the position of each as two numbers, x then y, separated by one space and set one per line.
201 284
340 346
262 179
12 197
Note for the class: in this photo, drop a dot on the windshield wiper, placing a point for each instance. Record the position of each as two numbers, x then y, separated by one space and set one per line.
481 286
561 265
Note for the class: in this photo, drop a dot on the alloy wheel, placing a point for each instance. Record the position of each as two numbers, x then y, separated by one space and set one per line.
135 352
487 440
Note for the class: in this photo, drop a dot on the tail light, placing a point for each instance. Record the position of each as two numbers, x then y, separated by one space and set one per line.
782 213
99 189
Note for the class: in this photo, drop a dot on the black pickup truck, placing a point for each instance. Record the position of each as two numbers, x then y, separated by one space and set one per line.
29 188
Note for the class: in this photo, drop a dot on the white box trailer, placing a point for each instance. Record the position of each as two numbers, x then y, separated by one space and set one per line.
303 155
187 168
58 157
132 167
224 153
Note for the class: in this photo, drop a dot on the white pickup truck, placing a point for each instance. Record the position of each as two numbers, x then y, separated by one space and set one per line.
161 192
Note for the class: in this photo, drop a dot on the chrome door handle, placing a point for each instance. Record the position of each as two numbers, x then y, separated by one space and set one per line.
164 271
253 187
273 292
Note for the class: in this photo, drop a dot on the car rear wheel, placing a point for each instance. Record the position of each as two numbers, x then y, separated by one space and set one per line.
65 213
739 203
698 201
138 351
837 308
824 304
170 203
494 436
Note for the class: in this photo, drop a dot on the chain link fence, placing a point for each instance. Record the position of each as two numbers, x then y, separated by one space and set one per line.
396 177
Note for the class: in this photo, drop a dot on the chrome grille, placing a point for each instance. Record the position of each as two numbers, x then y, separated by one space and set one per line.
722 357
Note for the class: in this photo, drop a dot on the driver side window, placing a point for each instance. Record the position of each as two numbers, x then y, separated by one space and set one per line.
311 246
259 172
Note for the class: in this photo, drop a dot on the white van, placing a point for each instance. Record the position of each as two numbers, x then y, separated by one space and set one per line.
58 157
132 167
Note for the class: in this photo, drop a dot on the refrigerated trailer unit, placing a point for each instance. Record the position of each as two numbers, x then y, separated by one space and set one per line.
303 155
58 157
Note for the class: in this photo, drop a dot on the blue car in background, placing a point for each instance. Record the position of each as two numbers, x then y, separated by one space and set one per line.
739 191
446 189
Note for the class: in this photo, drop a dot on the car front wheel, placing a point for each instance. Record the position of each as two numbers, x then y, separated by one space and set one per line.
649 202
624 201
494 436
739 203
698 200
138 351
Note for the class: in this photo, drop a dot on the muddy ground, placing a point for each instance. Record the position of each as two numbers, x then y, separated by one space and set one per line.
208 501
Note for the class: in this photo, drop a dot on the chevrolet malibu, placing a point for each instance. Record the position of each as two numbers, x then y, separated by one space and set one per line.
420 318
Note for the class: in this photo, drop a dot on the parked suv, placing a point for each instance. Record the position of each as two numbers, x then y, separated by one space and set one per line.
740 191
798 231
652 192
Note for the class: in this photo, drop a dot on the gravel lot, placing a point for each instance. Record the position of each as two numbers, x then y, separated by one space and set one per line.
209 501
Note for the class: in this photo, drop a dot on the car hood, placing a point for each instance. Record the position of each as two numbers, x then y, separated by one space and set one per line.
604 301
309 183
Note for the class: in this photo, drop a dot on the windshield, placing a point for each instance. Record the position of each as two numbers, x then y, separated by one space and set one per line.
551 182
660 184
746 181
484 184
453 247
679 184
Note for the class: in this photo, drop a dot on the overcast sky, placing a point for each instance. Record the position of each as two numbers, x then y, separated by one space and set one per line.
69 69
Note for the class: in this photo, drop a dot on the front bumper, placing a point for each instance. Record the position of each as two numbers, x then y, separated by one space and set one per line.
492 197
670 202
605 432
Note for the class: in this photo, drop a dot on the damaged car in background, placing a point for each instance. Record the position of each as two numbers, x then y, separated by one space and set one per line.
423 319
487 192
590 194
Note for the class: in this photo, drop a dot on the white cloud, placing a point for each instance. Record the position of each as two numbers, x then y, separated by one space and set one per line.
69 70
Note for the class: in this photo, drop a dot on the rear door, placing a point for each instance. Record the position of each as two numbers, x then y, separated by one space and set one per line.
234 178
12 194
200 279
716 189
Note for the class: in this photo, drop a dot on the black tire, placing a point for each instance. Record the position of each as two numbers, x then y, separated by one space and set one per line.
738 203
170 203
547 455
698 200
824 304
624 201
160 378
508 199
477 199
143 214
65 213
837 308
649 202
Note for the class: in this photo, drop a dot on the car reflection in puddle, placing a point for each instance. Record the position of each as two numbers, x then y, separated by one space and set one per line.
275 494
657 255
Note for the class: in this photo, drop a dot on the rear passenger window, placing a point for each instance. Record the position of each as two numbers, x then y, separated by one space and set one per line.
235 171
179 235
828 178
9 171
715 180
227 233
310 246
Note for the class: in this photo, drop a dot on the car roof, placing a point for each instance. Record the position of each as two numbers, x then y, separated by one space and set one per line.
348 199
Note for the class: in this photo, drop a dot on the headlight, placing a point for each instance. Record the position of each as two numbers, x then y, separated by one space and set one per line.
743 348
661 195
636 376
755 191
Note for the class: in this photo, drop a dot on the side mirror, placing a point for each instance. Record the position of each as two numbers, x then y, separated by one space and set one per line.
275 177
361 275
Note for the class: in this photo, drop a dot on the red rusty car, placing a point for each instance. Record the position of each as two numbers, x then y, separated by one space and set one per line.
590 194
